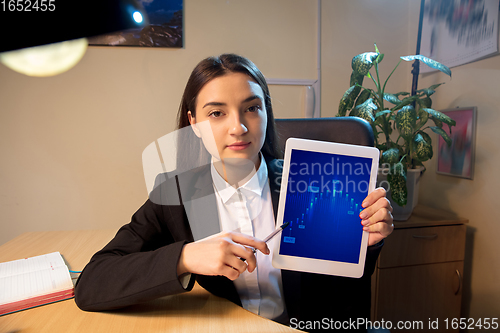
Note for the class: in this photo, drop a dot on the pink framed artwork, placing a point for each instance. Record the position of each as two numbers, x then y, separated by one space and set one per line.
458 159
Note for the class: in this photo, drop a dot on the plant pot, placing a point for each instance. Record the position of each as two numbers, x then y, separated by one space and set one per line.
412 183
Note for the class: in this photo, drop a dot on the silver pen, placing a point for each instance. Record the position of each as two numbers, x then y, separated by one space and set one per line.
271 235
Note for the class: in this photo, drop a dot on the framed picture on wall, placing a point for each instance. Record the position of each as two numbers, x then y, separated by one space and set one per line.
458 159
164 29
457 32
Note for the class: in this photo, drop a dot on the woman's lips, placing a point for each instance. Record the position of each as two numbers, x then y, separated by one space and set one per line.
239 145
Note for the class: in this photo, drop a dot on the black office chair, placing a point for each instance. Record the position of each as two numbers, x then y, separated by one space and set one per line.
349 130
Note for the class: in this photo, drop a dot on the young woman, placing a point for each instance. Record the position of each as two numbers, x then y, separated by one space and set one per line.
200 224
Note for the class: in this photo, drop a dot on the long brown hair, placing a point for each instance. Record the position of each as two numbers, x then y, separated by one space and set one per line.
207 70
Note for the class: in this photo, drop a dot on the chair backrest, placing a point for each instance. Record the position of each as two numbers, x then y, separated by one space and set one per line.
350 130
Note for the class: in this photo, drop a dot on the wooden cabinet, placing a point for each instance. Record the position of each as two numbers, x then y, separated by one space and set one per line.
419 272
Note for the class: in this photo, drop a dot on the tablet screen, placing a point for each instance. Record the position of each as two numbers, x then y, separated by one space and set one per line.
323 202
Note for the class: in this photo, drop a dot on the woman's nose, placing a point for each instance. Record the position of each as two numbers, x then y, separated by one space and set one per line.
237 127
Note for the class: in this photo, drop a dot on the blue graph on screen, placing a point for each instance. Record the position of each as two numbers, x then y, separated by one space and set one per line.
323 202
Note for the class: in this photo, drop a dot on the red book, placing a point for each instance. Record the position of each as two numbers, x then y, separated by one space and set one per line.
35 281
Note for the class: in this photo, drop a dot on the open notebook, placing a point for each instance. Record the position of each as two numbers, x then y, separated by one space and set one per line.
35 281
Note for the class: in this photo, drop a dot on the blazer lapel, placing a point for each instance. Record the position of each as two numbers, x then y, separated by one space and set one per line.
291 280
199 201
274 171
198 197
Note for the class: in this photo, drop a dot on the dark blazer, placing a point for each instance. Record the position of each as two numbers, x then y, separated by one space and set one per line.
140 262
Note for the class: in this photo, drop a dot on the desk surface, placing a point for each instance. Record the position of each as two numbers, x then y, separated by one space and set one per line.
195 311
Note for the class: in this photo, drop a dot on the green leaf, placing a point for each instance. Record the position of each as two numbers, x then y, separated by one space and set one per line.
390 156
380 113
383 146
388 128
405 101
398 169
347 100
434 86
391 98
440 116
426 137
379 58
443 134
449 127
406 120
428 92
425 102
378 121
429 62
363 62
365 111
397 183
422 146
365 94
356 78
417 163
423 117
438 122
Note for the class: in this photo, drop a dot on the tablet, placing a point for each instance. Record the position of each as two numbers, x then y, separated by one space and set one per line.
323 186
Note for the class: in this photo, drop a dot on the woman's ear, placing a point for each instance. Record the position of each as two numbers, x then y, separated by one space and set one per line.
192 121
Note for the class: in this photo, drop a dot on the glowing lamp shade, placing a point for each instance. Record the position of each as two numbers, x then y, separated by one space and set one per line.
46 60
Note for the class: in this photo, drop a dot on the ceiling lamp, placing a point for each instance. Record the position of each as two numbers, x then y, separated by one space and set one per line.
54 40
46 60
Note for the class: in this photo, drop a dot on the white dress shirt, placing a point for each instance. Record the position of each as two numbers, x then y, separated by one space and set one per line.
249 210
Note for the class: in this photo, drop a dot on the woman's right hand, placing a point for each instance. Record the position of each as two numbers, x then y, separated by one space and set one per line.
220 255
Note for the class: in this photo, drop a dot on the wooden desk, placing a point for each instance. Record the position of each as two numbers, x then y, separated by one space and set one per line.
196 311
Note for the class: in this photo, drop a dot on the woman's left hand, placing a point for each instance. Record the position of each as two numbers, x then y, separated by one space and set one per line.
376 216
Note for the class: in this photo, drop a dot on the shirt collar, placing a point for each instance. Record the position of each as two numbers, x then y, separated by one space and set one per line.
255 184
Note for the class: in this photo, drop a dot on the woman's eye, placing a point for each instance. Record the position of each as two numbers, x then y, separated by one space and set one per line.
254 108
215 114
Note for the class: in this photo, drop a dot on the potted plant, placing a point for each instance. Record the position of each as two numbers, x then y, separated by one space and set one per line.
399 123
